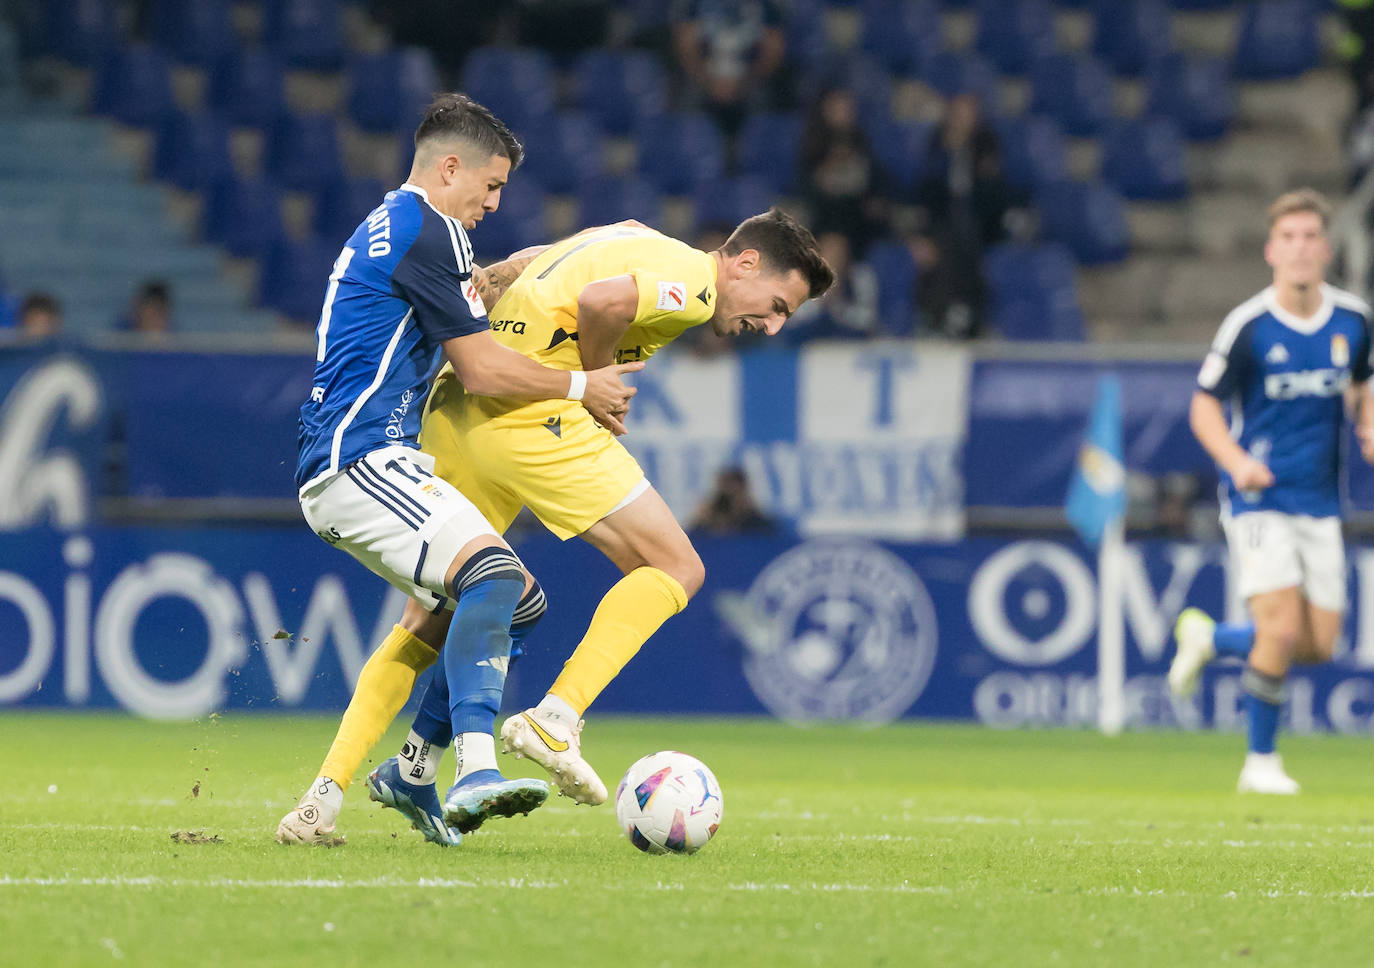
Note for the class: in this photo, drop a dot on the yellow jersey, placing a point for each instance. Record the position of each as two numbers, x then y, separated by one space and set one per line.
537 315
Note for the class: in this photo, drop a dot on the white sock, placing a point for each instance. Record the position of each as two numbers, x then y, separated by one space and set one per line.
419 760
475 751
325 793
558 710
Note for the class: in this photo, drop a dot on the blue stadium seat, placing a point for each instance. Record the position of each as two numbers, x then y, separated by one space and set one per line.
247 86
1130 35
1076 91
390 91
197 33
902 34
897 280
307 33
1089 218
1194 91
611 199
805 31
1278 38
861 75
769 145
1144 159
679 152
83 32
951 72
244 215
303 151
516 223
619 88
295 275
1201 4
1013 34
565 153
516 83
134 86
1033 293
343 203
192 150
901 147
730 201
1033 151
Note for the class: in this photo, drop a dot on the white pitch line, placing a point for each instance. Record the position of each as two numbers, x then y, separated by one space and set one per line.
745 887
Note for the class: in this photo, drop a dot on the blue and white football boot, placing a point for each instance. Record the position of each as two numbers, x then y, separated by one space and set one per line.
484 794
420 804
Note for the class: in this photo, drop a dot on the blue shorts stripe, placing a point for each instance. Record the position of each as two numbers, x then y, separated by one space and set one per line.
367 488
419 565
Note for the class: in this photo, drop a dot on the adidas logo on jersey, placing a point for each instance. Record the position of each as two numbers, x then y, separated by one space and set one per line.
554 425
1277 354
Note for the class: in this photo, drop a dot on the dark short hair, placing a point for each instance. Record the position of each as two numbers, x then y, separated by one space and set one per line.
459 117
156 290
785 244
40 302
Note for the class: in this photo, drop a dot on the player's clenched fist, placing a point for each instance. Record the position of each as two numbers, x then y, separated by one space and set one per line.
607 398
1251 475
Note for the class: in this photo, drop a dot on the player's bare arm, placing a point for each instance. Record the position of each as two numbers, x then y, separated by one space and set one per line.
491 282
605 310
1361 395
1208 422
487 368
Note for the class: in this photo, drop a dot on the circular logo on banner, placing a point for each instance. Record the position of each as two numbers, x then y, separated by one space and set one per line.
835 630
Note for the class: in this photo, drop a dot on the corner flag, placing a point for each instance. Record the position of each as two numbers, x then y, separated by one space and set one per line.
1097 494
1097 509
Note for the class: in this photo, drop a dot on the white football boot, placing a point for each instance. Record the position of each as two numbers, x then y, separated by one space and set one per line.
1263 773
1193 635
307 824
556 747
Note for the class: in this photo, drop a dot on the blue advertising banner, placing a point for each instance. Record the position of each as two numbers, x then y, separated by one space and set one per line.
180 623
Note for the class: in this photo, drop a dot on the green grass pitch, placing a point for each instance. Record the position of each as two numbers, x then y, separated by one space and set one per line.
907 845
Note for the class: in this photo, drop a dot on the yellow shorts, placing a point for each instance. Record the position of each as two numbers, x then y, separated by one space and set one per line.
549 456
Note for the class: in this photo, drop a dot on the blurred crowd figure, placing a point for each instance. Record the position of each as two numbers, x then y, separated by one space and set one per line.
729 54
730 507
844 186
39 316
151 309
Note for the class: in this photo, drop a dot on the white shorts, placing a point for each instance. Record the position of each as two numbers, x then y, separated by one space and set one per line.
393 514
1272 550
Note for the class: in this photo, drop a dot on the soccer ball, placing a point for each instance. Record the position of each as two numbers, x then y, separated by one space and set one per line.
669 803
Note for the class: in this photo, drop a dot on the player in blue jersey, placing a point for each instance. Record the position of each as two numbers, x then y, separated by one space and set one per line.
1291 362
400 300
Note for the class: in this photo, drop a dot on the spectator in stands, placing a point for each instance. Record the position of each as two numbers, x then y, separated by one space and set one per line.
40 315
950 294
964 191
843 182
730 52
849 309
151 310
964 200
730 507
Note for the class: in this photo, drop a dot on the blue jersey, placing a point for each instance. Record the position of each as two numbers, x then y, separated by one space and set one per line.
1285 377
400 287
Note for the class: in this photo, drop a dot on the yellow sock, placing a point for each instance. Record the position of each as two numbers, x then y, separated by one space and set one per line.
629 613
383 687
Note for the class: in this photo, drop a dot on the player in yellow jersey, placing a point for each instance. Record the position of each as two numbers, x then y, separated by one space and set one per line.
617 293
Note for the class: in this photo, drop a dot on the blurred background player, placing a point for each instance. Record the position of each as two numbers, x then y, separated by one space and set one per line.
401 296
1290 361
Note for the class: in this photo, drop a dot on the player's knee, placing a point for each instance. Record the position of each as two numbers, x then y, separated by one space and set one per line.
492 563
690 572
532 605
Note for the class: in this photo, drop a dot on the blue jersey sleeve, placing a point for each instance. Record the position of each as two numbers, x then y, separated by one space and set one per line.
1227 365
435 278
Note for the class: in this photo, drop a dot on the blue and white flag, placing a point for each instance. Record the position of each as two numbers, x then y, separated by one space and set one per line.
1097 493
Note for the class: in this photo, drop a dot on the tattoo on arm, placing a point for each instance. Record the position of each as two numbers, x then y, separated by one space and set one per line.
492 282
